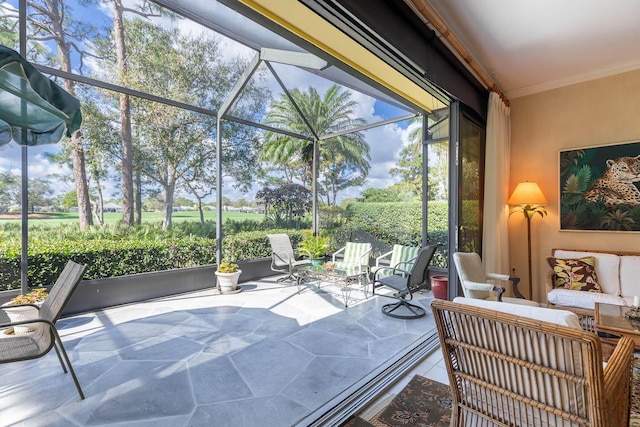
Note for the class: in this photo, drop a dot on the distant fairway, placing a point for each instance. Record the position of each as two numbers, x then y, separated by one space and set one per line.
54 219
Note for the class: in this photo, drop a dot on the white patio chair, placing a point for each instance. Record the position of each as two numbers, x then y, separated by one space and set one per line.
402 258
354 255
45 336
283 259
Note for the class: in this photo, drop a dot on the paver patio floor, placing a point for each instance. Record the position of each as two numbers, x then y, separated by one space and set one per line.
266 356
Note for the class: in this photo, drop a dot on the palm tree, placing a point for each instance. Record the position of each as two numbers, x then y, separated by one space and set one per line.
326 115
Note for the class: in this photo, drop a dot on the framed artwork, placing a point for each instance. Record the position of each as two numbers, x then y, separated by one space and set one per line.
599 188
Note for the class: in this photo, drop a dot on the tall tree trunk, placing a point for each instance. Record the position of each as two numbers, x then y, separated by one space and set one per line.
169 190
77 150
80 176
201 210
125 117
99 208
138 197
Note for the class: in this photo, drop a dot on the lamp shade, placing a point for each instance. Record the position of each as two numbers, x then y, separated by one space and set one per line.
527 193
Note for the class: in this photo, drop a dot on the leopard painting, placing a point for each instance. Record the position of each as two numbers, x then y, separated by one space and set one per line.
615 186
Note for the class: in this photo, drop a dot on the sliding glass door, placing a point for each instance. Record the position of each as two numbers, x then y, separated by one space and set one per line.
467 186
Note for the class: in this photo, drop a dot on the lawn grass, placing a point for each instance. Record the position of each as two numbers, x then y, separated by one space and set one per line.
57 218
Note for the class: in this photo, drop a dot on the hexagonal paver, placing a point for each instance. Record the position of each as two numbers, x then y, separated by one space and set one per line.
270 364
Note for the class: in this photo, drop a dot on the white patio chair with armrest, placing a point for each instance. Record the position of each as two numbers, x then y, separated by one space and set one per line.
474 280
38 343
402 257
283 259
354 255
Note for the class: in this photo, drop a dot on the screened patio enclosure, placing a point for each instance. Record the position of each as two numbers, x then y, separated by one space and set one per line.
279 57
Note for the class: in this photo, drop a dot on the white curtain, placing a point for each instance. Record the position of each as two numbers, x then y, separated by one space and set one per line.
495 246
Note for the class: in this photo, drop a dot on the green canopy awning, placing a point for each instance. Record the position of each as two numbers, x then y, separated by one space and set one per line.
33 111
31 101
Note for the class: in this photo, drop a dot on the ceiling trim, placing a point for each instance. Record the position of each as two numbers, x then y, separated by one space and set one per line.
580 78
433 20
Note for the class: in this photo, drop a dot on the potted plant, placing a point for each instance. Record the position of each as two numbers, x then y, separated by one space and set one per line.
25 312
314 247
228 274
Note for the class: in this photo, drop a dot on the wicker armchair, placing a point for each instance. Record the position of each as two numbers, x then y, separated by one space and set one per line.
510 370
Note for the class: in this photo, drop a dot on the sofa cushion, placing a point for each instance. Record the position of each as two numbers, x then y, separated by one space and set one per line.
551 315
607 268
585 300
576 274
629 275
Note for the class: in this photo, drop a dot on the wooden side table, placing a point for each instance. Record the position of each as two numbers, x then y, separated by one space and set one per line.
610 325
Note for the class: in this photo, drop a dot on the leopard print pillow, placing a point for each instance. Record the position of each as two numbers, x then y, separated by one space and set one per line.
576 274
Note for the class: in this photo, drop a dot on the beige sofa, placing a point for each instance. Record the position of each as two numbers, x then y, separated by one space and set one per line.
618 275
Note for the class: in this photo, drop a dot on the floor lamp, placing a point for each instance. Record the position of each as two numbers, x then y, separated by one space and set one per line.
528 199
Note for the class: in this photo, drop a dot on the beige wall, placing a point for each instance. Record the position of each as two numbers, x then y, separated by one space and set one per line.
587 114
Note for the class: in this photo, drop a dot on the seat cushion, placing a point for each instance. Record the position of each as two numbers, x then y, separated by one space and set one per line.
394 282
585 300
551 315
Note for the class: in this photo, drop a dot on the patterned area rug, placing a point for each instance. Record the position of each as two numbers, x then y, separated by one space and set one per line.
426 403
422 403
634 418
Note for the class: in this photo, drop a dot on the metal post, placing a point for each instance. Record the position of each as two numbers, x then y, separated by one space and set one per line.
24 254
425 178
316 160
218 190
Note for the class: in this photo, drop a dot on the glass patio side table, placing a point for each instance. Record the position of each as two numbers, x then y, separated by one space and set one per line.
345 278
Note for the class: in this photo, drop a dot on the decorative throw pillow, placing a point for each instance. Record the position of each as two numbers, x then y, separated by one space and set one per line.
576 274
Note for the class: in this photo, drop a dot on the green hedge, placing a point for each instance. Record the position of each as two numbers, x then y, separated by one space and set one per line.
103 258
119 251
110 258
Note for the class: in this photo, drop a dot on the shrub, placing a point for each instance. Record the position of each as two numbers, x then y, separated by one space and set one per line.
227 267
103 258
254 244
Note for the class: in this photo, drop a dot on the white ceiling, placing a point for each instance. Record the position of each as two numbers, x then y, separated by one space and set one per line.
529 46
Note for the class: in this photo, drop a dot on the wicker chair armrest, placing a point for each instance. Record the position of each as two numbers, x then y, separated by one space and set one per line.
618 374
618 368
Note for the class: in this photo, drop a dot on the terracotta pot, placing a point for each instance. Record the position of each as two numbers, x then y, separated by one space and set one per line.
439 286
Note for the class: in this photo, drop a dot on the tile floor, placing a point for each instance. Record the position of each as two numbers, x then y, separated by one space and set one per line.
266 356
